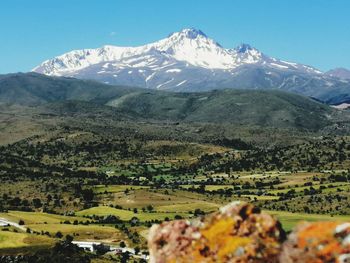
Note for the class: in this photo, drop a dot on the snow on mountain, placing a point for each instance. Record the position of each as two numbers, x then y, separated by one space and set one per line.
188 61
189 45
342 106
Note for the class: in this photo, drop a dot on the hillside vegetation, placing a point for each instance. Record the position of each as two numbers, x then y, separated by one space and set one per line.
240 107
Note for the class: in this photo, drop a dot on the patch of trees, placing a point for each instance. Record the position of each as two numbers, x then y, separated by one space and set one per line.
235 143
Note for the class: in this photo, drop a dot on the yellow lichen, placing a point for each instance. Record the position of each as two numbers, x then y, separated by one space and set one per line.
231 244
219 240
220 227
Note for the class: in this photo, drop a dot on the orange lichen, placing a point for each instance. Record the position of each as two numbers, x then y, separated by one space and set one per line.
316 233
320 237
316 243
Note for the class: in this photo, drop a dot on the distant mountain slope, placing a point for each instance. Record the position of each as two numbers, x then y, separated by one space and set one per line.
34 89
190 61
242 107
342 73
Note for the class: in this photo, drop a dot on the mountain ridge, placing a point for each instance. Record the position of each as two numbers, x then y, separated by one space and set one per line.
189 61
188 45
342 73
236 106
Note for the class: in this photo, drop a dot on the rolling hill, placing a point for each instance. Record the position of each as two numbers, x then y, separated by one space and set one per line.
241 107
32 89
63 95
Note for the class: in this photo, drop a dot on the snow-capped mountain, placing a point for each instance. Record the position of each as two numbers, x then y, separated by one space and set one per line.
189 45
189 61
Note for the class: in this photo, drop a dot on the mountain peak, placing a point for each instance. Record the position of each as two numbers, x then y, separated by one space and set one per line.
243 48
191 33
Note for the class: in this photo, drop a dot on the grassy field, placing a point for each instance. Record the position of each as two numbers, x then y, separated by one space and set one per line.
42 222
116 188
11 243
110 234
127 215
209 187
289 220
31 218
329 187
179 208
261 197
143 197
81 232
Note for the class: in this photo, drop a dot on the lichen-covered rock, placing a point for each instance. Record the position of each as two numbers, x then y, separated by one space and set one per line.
238 233
317 243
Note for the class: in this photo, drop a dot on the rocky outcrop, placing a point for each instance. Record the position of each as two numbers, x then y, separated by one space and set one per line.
240 232
318 242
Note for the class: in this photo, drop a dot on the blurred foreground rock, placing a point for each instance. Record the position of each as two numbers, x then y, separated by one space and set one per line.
318 242
239 232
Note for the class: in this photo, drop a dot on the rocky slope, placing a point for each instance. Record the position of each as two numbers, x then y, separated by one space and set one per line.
342 73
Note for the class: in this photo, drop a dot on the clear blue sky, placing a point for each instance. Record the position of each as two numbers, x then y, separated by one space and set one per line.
313 32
